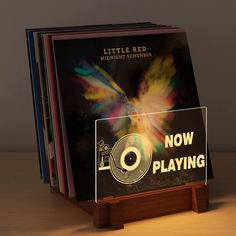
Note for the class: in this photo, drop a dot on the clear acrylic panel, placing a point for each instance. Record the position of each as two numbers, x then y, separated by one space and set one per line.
150 151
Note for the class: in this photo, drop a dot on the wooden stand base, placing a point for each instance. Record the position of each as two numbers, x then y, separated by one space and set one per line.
113 212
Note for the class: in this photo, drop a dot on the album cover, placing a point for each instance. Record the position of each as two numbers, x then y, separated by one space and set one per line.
37 107
105 76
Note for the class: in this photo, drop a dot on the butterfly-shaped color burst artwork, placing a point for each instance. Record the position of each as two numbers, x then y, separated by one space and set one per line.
155 94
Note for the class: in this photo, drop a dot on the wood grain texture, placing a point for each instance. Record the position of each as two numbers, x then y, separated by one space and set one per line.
200 198
27 207
150 204
116 219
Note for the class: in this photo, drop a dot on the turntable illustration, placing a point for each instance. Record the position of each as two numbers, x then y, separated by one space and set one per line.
128 160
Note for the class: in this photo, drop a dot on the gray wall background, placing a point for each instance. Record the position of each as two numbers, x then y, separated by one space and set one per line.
212 38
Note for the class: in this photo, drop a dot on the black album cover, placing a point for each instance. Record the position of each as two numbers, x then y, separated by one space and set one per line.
106 85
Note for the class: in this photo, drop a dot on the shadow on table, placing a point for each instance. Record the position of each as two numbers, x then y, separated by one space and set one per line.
214 205
224 182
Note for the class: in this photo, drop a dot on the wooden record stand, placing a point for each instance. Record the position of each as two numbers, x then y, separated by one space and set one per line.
113 212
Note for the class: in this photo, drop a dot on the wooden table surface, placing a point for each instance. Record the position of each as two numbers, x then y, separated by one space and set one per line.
28 208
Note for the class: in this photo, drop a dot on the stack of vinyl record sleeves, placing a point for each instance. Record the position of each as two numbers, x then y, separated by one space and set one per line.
89 83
